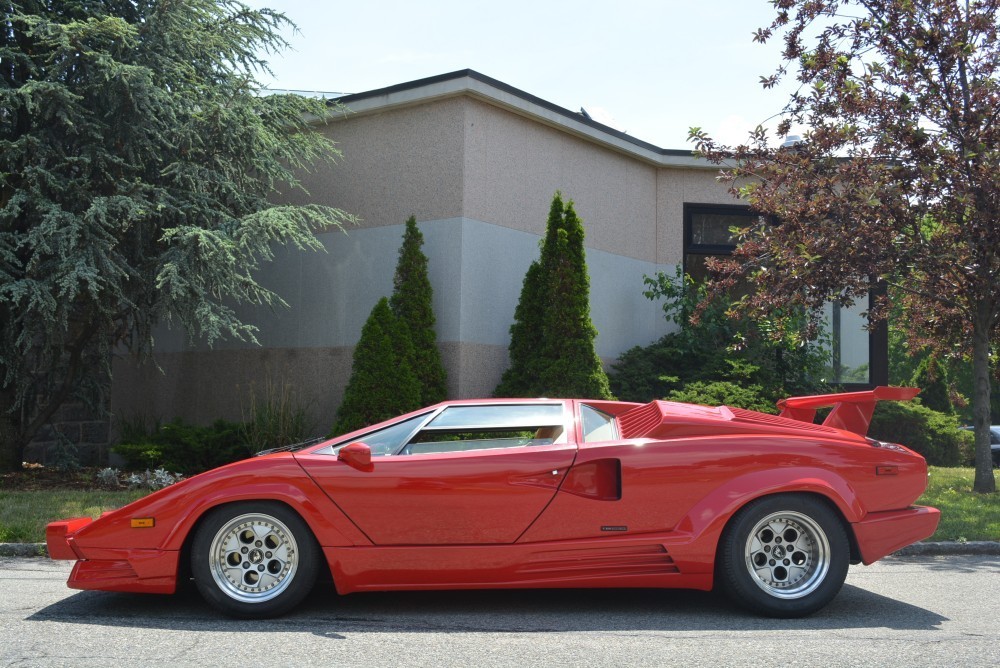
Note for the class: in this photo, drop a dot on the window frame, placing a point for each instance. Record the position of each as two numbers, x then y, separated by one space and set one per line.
878 336
690 210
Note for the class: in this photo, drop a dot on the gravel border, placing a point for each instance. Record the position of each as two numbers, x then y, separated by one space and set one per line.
974 548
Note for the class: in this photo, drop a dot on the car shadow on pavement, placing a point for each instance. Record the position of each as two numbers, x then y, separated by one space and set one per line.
328 615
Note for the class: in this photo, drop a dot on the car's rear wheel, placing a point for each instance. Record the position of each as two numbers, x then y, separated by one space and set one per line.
784 556
254 559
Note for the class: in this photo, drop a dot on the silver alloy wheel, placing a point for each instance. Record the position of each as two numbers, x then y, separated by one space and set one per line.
253 558
787 554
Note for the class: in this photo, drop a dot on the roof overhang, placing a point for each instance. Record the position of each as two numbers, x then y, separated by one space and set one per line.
479 86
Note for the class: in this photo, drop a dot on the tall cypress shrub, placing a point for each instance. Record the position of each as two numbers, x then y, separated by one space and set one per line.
411 302
552 339
382 383
526 339
571 366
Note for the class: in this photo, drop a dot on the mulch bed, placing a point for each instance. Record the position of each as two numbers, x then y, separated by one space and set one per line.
39 478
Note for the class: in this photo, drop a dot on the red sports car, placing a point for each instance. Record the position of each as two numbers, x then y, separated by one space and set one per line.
530 493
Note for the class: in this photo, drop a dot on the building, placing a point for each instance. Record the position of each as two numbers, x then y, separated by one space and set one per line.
477 162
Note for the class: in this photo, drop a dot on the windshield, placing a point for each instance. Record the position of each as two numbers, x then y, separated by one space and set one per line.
389 440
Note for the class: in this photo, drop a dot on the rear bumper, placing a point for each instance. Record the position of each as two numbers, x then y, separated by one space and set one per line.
880 534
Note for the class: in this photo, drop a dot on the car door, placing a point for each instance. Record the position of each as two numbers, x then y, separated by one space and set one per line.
471 474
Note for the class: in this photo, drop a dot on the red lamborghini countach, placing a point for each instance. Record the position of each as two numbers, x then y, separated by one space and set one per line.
530 493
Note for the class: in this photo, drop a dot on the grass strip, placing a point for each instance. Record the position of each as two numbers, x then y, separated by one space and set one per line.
965 516
24 514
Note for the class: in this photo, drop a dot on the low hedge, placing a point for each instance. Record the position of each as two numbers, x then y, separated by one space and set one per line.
723 393
183 448
933 434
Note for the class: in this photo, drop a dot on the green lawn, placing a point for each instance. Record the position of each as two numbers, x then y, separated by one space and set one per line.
24 514
964 515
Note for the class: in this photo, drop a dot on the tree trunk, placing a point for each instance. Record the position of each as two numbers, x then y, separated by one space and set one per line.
985 483
11 445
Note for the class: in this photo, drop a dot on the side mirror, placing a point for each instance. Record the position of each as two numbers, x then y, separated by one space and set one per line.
357 455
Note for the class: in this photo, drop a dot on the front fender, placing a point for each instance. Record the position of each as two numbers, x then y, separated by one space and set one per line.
176 509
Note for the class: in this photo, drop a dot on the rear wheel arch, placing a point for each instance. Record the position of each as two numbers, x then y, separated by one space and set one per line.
830 503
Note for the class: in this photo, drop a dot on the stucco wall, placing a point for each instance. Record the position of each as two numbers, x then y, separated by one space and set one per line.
479 180
396 163
514 165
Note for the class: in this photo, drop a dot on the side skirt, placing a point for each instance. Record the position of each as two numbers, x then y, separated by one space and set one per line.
631 561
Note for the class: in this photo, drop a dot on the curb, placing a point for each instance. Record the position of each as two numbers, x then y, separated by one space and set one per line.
951 548
23 550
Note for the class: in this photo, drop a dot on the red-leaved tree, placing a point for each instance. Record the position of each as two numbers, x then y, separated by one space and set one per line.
895 181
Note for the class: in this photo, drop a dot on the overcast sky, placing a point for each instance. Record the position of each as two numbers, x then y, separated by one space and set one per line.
651 68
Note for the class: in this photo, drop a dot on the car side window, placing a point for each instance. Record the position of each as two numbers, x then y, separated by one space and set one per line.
431 441
482 427
597 425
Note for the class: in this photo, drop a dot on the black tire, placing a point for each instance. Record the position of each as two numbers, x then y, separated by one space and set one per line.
254 559
756 568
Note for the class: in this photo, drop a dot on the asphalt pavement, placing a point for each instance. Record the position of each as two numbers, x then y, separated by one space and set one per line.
902 611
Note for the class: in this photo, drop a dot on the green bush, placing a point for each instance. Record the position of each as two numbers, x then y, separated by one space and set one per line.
721 393
932 378
718 348
644 373
933 434
183 448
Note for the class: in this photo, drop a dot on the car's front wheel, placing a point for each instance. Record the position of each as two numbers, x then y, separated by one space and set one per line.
254 559
784 556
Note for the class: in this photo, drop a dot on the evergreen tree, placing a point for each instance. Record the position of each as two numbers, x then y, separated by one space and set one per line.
526 339
138 165
571 366
411 301
932 378
552 339
382 383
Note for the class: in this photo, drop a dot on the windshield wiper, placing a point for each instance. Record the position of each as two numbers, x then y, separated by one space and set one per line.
293 447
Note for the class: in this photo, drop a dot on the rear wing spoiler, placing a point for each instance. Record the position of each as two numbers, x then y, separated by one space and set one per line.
852 411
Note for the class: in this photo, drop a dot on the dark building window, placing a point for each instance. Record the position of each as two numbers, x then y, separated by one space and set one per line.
859 358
